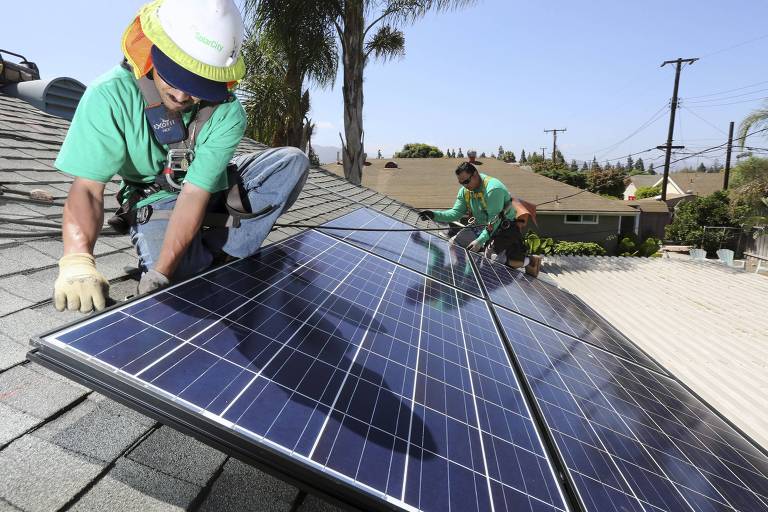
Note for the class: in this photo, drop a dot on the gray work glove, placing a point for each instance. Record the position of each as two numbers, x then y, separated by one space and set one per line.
152 280
476 246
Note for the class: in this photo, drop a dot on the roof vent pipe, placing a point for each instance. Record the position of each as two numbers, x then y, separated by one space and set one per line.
56 96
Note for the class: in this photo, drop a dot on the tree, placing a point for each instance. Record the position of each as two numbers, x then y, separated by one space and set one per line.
418 150
749 191
701 167
501 153
447 153
651 170
692 216
378 155
558 158
584 167
314 160
574 166
366 29
594 165
460 155
508 157
282 56
482 155
523 159
608 182
630 163
640 166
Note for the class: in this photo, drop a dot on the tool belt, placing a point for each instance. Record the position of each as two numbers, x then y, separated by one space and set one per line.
508 237
236 204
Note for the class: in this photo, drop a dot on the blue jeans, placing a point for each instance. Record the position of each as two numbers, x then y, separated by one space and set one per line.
273 177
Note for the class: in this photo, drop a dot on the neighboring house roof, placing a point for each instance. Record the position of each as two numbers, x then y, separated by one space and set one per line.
702 321
697 183
644 180
649 205
431 183
62 445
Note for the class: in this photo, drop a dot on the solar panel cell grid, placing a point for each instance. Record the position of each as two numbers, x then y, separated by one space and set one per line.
418 251
372 373
631 436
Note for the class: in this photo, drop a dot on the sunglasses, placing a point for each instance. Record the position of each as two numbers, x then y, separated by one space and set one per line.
466 181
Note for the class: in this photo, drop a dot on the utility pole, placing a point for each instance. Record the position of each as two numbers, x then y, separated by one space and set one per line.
554 141
673 111
728 157
543 155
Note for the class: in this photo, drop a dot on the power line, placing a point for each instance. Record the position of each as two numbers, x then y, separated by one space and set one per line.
733 103
724 98
728 90
642 127
697 115
737 45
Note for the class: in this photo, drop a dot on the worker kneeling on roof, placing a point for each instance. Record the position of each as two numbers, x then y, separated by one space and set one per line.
166 121
494 219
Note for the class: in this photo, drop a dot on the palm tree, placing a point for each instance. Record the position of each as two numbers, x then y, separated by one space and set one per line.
757 119
365 28
282 56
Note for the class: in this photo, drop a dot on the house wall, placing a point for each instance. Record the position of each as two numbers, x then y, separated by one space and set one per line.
554 226
652 224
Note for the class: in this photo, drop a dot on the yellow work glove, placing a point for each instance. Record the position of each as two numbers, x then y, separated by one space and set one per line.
79 285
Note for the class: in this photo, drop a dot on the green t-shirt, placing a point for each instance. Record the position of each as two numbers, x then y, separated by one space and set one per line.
484 205
110 135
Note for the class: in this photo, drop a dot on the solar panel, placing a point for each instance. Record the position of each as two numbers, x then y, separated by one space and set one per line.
420 251
634 439
332 367
556 308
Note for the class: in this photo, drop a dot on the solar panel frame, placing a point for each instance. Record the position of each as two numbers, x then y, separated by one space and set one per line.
200 424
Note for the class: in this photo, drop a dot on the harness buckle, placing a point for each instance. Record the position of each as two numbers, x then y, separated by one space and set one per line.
178 160
143 214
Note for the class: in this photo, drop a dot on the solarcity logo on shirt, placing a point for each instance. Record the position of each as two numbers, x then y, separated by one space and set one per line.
209 42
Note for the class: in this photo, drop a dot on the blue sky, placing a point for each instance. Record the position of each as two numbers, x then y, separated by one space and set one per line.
498 73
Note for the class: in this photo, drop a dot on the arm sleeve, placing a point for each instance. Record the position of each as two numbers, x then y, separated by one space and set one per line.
458 211
495 201
214 149
94 147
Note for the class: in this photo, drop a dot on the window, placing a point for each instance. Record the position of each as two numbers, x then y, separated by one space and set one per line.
582 219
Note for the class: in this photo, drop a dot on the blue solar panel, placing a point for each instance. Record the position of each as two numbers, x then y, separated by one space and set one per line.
634 439
556 308
370 374
418 251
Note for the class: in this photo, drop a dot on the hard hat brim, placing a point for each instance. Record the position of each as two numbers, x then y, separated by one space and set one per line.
186 81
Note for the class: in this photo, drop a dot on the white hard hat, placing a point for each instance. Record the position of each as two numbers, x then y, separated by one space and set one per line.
202 36
210 31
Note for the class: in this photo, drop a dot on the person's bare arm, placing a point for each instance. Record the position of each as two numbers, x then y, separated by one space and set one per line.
185 223
83 216
80 285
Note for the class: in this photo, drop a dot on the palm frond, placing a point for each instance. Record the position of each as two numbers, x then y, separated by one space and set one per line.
754 121
387 43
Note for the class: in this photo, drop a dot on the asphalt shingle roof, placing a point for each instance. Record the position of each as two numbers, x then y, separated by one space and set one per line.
430 183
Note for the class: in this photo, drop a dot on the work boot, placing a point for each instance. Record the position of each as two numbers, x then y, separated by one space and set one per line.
534 266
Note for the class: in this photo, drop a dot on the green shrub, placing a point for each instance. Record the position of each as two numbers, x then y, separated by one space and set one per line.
629 245
536 245
418 150
579 249
645 192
